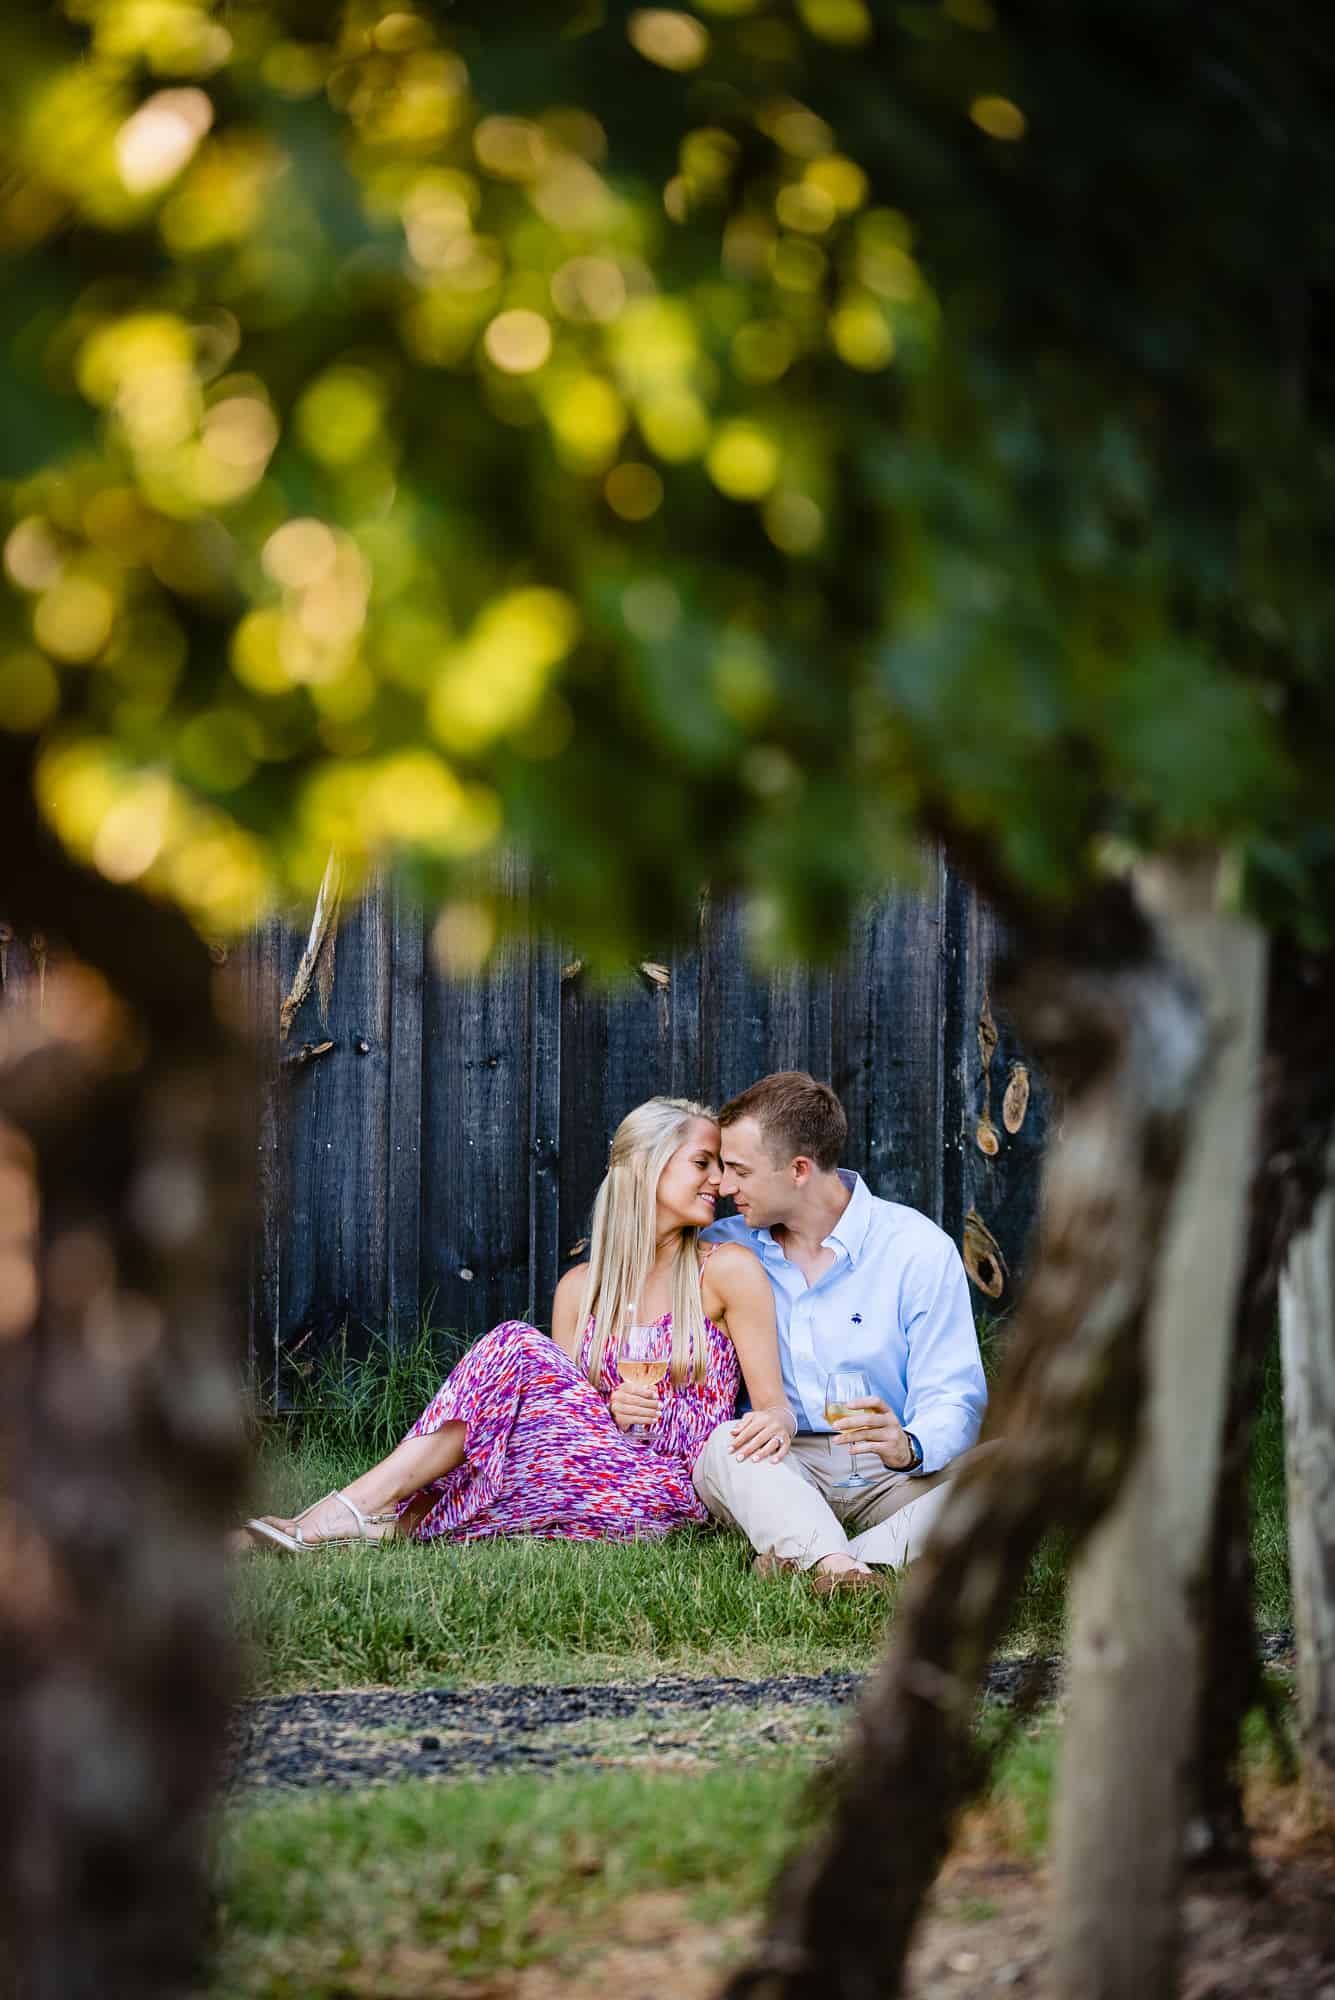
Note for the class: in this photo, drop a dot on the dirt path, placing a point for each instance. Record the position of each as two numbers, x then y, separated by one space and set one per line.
984 1932
344 1741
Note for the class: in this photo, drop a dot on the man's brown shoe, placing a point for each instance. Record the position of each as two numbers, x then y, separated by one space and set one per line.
769 1564
826 1581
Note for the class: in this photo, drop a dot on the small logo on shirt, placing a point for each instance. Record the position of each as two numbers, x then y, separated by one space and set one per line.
857 1319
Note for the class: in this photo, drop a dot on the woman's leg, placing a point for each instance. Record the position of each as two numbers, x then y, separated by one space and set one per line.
409 1467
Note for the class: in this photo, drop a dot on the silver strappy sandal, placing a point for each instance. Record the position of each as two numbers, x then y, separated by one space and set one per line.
370 1529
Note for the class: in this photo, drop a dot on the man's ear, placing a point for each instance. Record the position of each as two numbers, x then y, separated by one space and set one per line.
801 1170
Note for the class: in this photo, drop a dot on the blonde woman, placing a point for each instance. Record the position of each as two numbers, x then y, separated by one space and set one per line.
528 1436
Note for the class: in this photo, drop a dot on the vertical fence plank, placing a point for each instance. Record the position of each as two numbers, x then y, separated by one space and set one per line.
403 1182
336 1107
475 1136
889 1043
262 960
731 1023
544 1129
684 1078
584 1111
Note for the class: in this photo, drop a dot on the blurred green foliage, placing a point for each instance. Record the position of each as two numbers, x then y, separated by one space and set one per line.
721 442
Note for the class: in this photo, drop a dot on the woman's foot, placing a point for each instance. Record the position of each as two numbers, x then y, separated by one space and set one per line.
335 1520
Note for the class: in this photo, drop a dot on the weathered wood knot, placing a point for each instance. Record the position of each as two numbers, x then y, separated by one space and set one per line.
982 1256
307 1053
1016 1101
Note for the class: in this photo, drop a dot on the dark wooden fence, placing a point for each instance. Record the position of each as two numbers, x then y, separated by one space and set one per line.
438 1142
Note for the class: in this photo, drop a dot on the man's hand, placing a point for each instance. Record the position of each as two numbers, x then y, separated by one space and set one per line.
633 1406
764 1434
876 1428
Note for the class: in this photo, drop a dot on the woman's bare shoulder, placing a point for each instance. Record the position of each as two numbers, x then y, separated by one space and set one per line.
730 1256
571 1283
730 1265
565 1307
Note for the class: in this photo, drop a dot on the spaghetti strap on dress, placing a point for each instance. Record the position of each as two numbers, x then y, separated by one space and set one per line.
543 1455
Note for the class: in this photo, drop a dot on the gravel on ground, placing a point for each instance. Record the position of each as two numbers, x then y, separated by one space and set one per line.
345 1741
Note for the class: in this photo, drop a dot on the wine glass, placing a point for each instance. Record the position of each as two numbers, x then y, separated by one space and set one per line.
843 1387
643 1360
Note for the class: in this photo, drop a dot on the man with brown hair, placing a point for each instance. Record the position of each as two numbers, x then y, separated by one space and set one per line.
859 1284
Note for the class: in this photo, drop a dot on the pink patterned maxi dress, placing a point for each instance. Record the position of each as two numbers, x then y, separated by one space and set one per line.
543 1455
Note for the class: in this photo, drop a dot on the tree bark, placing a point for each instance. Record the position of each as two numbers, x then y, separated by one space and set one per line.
1136 1664
1297 1116
1307 1340
122 1158
1121 1029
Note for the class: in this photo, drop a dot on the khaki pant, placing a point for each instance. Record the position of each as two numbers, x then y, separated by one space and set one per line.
795 1511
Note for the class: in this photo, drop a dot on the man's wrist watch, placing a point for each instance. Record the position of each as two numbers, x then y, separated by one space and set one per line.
916 1449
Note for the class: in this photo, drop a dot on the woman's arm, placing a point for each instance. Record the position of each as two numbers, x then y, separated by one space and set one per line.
628 1406
738 1298
566 1330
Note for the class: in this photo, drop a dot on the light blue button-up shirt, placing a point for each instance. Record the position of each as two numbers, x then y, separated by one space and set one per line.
895 1303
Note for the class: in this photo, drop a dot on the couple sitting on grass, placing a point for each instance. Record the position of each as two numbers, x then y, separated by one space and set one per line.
814 1279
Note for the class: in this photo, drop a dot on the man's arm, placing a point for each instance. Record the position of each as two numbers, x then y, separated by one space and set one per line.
946 1390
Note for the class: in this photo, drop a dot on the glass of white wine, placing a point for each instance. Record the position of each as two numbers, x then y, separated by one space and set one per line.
843 1387
643 1362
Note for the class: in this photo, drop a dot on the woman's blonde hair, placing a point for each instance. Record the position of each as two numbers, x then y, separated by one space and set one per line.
622 1240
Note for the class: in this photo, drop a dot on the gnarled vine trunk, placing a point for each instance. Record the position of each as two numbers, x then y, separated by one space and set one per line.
1307 1338
1297 1116
1121 1028
1135 1663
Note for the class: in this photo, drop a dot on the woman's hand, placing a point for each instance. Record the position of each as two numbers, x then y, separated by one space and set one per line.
738 1297
764 1434
633 1406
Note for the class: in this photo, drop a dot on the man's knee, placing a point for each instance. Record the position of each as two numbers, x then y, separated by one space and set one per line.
713 1462
719 1473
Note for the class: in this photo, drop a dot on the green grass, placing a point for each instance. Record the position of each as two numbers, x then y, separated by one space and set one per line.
330 1897
532 1610
327 1898
1270 1533
560 1611
396 1892
527 1610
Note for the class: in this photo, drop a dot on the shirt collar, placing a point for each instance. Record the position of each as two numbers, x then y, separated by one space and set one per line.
850 1232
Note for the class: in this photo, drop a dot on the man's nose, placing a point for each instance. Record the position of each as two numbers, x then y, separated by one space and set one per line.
727 1183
